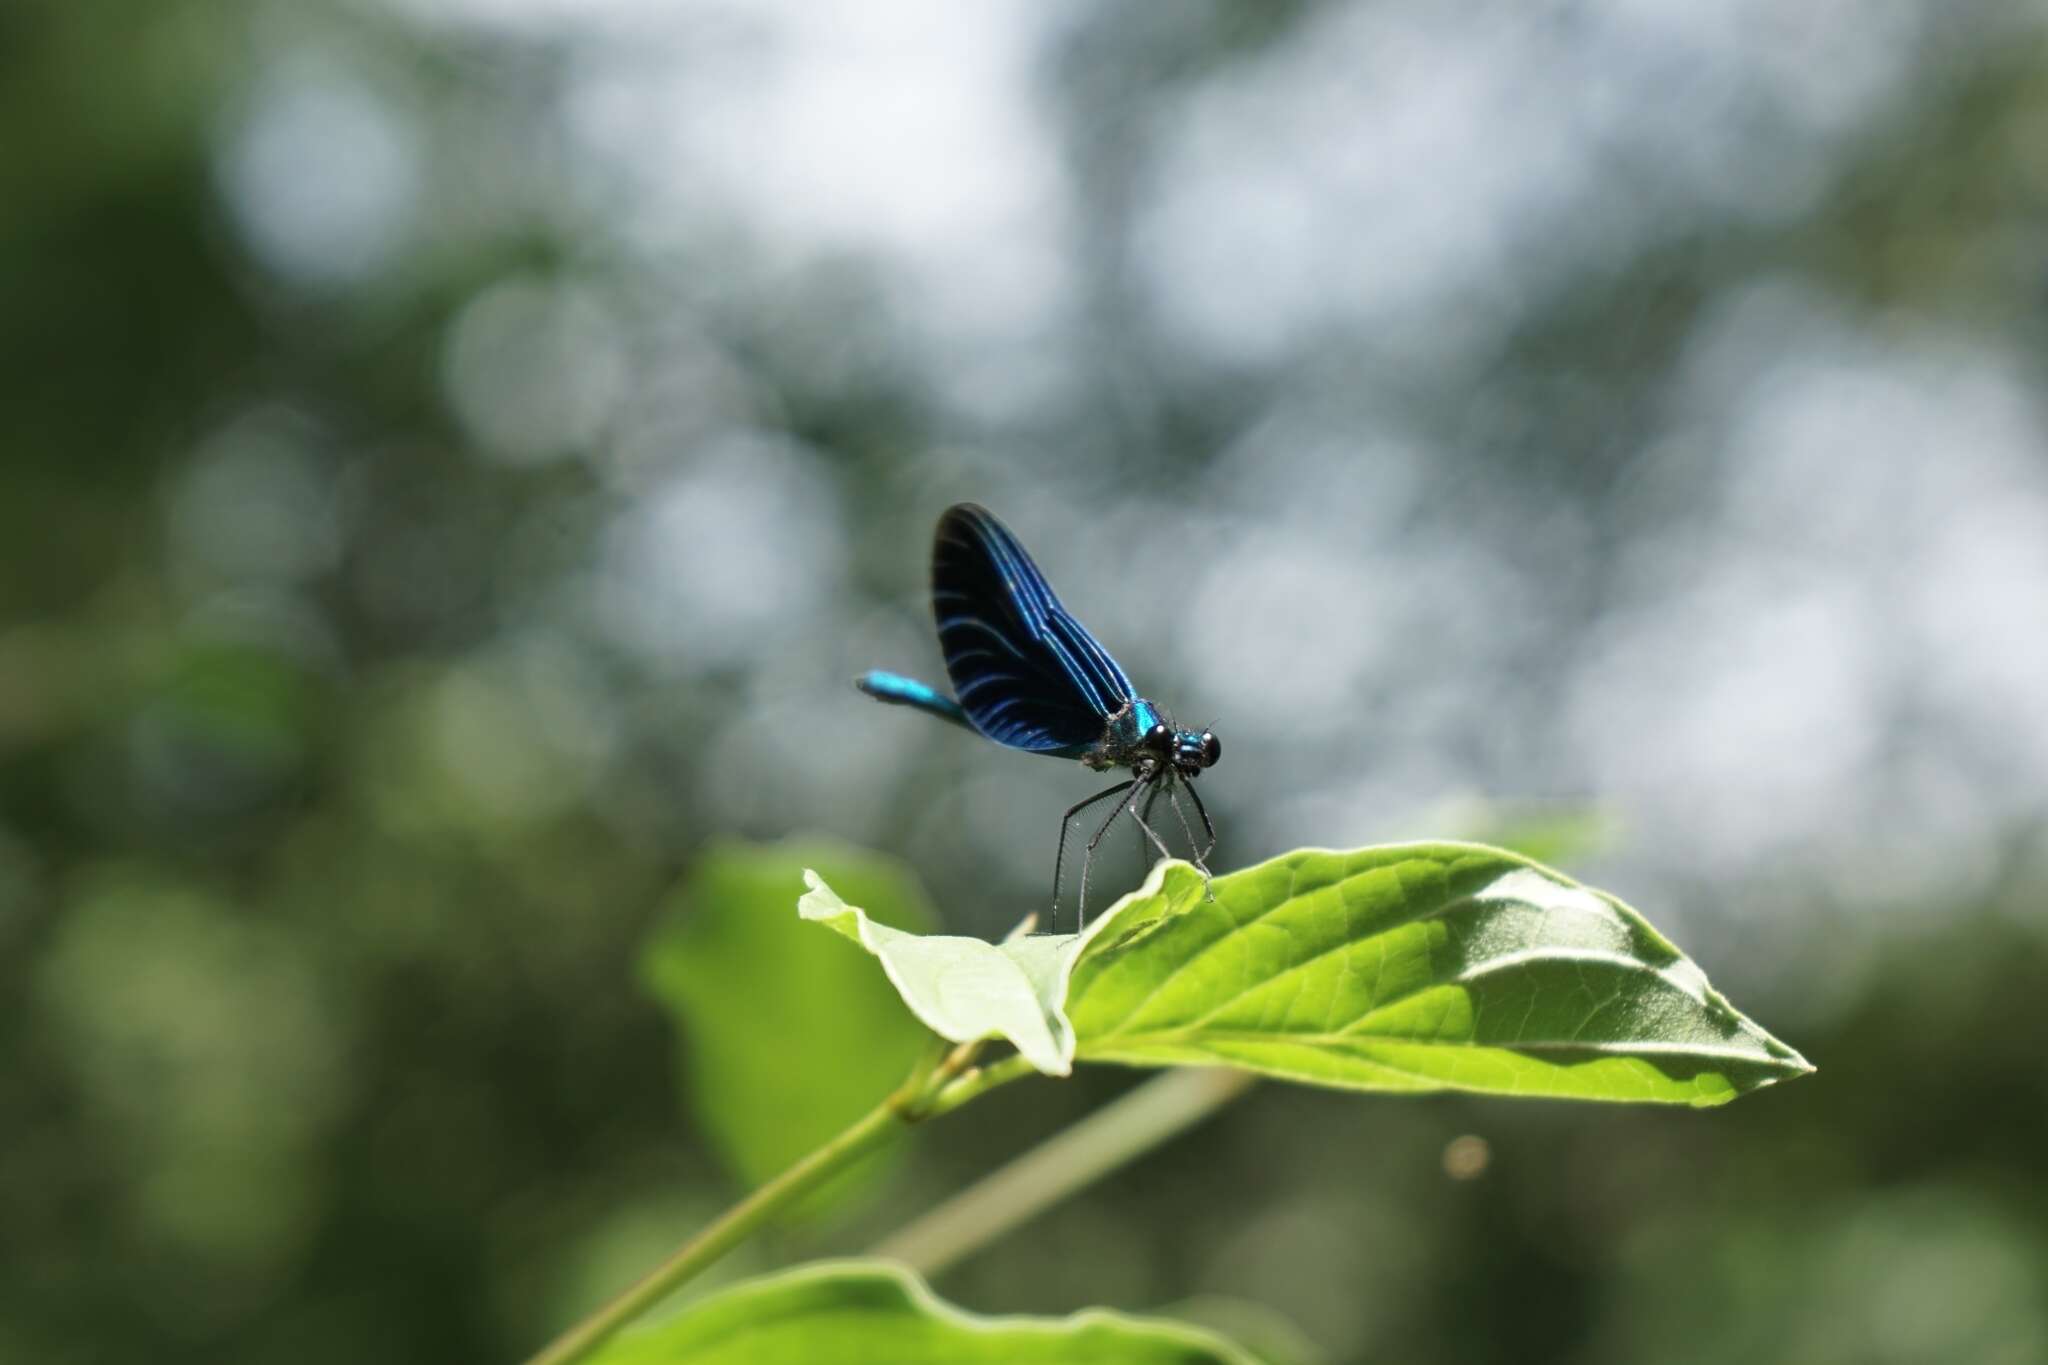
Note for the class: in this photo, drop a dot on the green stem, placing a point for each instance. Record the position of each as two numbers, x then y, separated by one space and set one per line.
1068 1161
735 1226
953 1093
930 1091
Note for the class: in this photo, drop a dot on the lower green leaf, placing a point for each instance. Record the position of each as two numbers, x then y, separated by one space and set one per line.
873 1313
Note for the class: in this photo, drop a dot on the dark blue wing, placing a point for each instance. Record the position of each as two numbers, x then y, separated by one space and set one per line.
1026 672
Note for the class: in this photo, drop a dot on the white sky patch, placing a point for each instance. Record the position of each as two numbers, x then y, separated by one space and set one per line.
1411 169
321 173
743 540
1870 575
1916 467
906 134
533 18
1979 612
1307 624
533 368
1740 714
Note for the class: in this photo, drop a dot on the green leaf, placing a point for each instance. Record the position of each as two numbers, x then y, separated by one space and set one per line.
968 988
1258 1331
1406 967
785 1037
1420 967
873 1313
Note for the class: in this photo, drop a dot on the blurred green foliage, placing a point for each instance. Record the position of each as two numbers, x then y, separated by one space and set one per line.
785 1036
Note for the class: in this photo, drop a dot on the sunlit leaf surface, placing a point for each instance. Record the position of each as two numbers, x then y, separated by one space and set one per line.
1408 967
1420 967
856 1313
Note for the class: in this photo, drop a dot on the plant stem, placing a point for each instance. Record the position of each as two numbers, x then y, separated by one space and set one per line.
956 1091
1070 1160
935 1087
733 1227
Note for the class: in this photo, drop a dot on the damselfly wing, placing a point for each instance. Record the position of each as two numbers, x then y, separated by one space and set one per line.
1029 676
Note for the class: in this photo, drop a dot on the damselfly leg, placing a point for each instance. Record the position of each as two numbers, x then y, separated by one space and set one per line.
1059 857
1144 845
1173 799
1207 828
1151 785
1150 833
1149 788
1088 855
1201 859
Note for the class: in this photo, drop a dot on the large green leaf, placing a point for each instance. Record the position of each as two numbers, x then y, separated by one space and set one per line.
785 1036
1420 967
1406 967
872 1313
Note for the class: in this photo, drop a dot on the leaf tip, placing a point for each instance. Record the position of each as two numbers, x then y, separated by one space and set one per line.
819 901
1790 1062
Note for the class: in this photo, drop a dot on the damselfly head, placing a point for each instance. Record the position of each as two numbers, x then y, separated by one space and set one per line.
1195 750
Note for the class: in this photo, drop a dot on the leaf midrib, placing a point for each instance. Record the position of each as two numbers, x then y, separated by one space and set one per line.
1118 1043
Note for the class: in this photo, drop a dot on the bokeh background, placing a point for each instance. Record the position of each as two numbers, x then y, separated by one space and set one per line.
457 452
